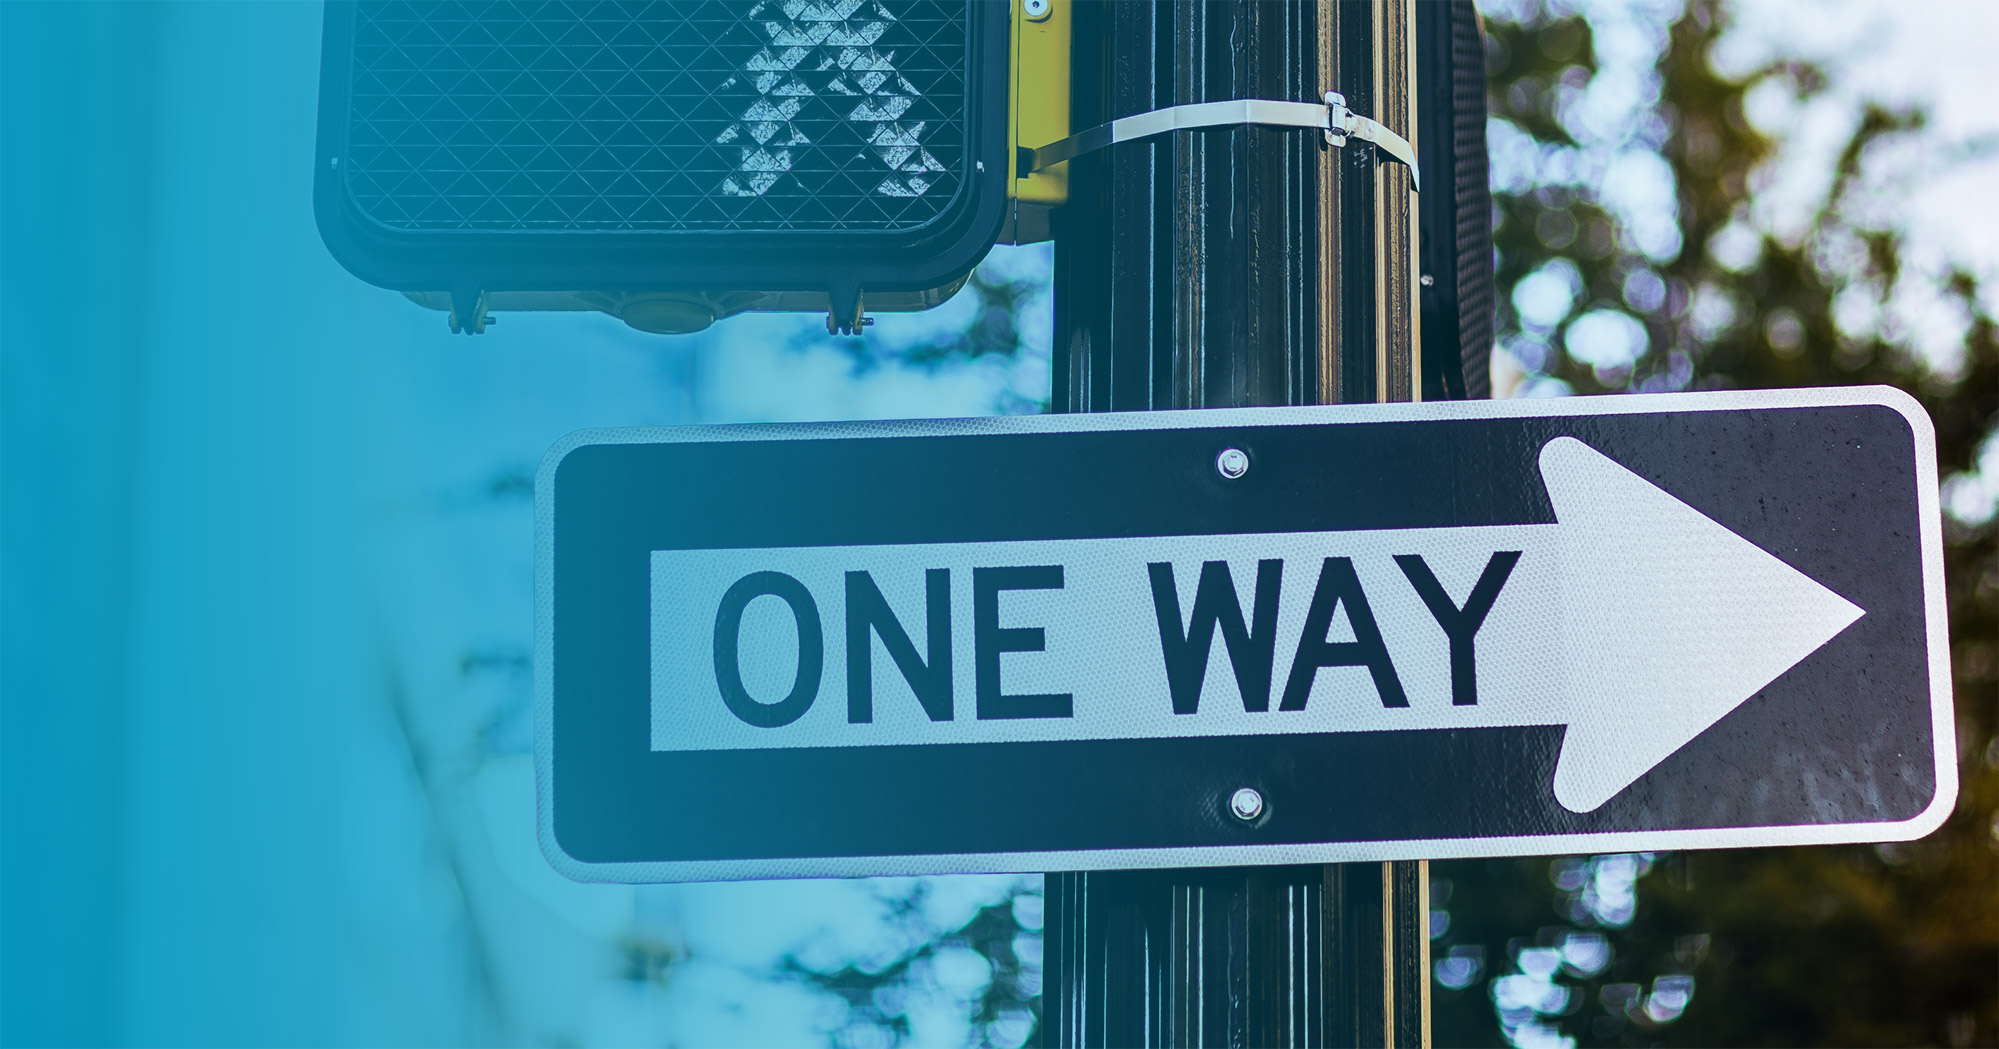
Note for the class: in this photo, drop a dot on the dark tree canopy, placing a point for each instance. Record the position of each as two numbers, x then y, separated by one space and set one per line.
1856 945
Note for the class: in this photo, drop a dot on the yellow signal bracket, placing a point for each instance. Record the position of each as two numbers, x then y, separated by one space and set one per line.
1038 115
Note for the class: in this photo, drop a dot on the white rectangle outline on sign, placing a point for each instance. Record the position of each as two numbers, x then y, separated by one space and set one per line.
1935 620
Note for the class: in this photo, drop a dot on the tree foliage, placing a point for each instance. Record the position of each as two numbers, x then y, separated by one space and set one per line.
985 972
1731 278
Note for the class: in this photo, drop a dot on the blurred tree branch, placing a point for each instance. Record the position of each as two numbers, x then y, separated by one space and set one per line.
1861 945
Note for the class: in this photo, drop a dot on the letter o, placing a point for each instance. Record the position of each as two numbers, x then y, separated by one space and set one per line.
811 649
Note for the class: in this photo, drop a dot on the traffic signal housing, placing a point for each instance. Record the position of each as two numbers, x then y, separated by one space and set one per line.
667 162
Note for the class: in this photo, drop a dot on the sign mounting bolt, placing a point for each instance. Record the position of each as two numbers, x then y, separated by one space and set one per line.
1232 463
1246 804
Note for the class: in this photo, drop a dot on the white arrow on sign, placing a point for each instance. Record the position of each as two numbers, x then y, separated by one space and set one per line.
1670 621
1634 620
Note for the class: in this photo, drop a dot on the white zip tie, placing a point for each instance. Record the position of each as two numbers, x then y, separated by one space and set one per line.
1331 117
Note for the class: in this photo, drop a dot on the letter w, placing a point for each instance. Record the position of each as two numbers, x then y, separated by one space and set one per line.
1250 647
868 611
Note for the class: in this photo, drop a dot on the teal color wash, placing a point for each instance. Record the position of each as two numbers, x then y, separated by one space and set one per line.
207 814
75 204
266 564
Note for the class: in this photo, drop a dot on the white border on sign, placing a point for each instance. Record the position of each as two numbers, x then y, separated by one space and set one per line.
1935 617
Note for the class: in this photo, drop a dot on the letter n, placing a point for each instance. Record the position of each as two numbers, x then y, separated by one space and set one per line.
868 613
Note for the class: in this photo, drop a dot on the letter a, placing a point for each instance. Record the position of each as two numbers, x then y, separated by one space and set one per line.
1338 583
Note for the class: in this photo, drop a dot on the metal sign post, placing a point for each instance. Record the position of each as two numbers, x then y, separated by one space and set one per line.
1248 267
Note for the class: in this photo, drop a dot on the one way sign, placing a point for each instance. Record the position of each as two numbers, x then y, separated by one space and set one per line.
1228 637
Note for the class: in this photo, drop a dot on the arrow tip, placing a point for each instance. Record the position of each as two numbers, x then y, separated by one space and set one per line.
1670 621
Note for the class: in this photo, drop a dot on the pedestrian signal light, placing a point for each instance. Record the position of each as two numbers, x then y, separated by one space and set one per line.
667 162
